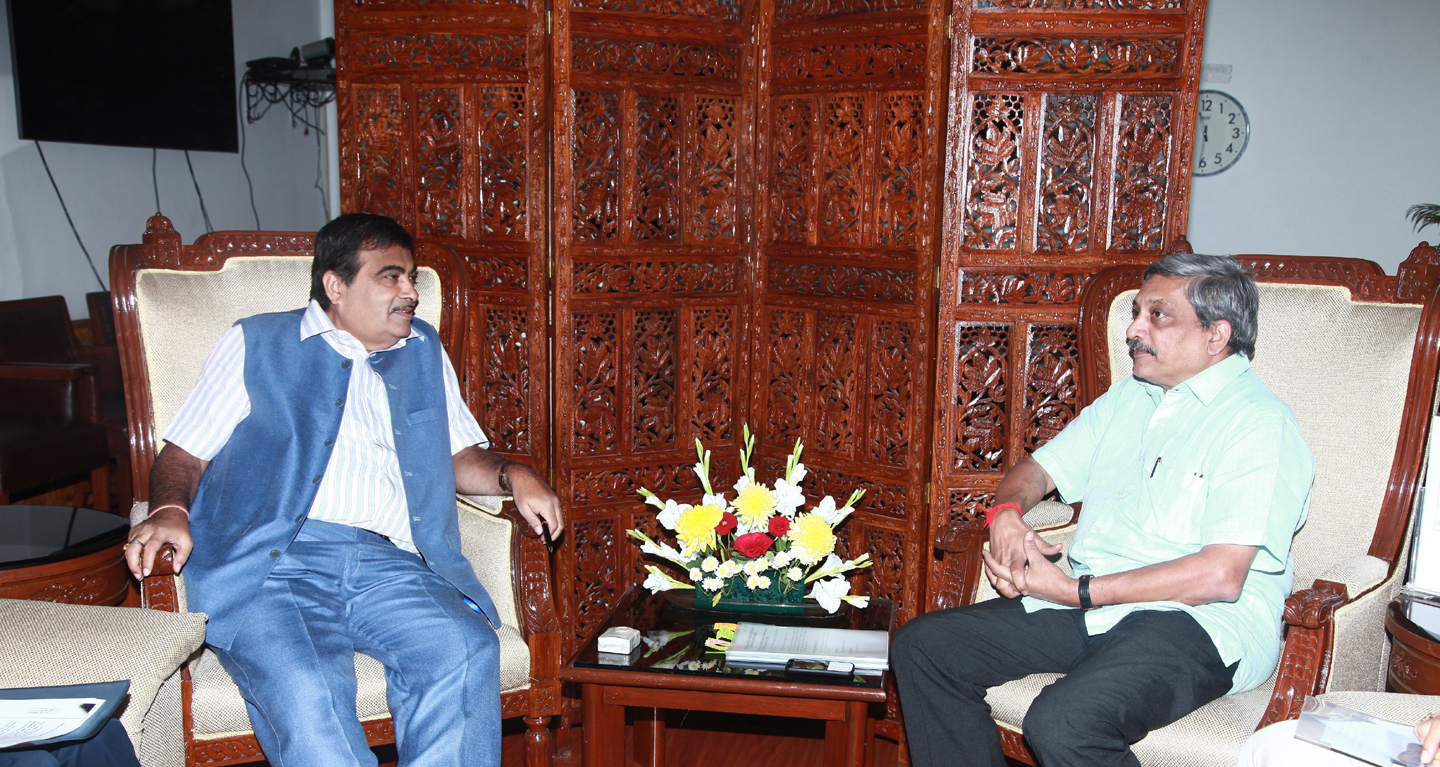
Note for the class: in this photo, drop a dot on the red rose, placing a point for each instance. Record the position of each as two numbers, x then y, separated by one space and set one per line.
727 524
753 545
779 526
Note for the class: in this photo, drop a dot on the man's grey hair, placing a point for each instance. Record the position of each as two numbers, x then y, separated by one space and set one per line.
1219 289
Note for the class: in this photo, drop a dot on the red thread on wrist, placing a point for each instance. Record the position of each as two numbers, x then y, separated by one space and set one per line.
990 512
169 506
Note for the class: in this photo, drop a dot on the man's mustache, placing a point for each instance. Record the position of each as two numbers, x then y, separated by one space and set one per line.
1137 346
406 306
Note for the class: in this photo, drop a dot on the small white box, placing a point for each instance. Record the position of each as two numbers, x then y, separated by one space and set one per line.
619 639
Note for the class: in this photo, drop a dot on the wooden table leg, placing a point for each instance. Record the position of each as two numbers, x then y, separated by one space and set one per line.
845 739
604 738
650 737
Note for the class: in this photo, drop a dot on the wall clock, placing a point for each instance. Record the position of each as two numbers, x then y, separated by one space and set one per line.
1222 130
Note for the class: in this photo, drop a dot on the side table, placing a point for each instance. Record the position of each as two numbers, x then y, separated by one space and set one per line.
63 554
611 683
1414 652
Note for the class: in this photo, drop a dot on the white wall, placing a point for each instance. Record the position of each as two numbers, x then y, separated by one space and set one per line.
1344 106
109 191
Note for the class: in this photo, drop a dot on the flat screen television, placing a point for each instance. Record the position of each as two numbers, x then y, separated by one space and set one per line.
143 73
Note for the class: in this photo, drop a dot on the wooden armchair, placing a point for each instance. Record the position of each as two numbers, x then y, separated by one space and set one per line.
1354 353
172 304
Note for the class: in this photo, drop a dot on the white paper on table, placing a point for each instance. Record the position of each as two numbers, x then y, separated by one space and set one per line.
1364 737
774 645
27 721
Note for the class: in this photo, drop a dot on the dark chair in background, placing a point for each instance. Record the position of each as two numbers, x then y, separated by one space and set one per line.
51 413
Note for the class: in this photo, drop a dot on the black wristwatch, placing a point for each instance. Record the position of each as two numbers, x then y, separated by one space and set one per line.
502 479
1085 603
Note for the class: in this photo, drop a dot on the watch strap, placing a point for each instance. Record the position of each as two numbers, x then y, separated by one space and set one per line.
1085 603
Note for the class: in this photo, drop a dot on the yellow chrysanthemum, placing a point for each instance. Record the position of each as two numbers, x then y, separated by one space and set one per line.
811 538
754 505
696 527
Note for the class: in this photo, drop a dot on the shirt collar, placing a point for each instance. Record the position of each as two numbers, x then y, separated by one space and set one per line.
1208 383
316 322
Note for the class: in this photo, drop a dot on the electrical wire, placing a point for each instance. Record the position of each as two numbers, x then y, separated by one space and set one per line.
244 117
205 214
154 176
320 168
61 198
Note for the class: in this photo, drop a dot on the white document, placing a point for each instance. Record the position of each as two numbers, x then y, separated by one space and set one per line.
1364 737
28 721
757 643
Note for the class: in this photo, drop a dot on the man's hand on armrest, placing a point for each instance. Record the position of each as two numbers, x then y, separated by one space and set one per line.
1005 564
477 472
174 478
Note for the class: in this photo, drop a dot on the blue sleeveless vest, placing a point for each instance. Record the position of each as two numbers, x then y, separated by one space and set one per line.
258 490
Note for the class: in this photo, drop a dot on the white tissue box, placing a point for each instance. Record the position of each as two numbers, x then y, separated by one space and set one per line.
619 639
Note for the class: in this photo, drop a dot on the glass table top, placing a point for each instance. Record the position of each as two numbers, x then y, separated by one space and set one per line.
37 535
674 631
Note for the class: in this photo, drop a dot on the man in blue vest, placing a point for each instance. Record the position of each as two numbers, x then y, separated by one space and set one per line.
316 464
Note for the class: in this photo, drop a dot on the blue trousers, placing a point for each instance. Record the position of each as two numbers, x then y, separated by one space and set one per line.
339 590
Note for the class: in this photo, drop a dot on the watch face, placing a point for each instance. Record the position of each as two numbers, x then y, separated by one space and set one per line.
1222 130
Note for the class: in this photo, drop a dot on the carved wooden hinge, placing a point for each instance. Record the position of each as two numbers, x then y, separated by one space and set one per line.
949 27
549 24
928 487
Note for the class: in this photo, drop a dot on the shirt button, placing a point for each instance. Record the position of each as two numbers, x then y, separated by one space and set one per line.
345 364
415 519
274 553
300 518
340 402
316 480
329 442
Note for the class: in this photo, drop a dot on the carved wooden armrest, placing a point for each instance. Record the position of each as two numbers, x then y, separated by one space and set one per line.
159 590
1309 646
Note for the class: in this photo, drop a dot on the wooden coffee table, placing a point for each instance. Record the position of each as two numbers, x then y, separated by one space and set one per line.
63 554
610 683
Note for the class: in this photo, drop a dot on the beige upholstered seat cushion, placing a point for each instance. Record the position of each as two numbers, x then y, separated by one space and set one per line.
183 314
44 644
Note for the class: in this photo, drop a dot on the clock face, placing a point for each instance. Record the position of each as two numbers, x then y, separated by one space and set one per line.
1222 130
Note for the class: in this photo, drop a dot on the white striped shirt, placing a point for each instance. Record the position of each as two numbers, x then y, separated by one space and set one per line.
361 485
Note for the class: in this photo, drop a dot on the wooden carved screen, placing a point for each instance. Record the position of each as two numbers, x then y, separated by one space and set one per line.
443 115
651 185
1069 149
849 153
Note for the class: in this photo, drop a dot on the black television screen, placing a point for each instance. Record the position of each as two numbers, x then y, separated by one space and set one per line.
145 73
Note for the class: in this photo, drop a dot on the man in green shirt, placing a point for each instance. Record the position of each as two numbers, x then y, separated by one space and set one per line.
1194 478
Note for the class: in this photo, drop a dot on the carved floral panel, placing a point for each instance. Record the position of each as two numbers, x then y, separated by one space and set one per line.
383 50
798 10
991 288
882 497
802 61
1142 172
1076 56
891 416
893 284
597 549
790 210
594 423
493 271
836 370
790 376
657 167
378 149
646 58
728 10
1083 5
898 203
992 184
710 374
654 407
506 371
979 416
596 165
439 165
502 159
845 177
1067 174
886 576
1051 394
713 219
638 277
675 480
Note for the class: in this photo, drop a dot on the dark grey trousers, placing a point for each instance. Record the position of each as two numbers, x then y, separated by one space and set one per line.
1152 668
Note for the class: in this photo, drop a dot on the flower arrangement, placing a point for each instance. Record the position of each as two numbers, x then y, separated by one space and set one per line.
760 546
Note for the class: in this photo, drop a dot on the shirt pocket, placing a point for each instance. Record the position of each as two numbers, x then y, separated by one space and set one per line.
1177 503
429 414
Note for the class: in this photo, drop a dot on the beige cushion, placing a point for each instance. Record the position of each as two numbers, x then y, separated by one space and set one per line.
182 314
42 643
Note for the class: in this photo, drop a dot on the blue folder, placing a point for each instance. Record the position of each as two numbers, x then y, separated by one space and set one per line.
110 693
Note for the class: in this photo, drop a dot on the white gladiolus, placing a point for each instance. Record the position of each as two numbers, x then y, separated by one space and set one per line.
829 592
832 515
670 514
717 500
859 601
660 581
788 497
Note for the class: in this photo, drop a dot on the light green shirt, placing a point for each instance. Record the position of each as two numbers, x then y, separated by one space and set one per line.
1218 459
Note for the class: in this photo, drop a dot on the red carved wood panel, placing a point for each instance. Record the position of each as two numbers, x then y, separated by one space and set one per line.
1068 149
443 119
651 188
849 162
